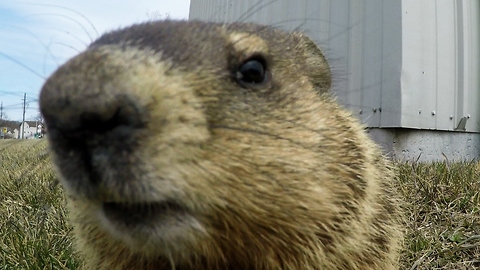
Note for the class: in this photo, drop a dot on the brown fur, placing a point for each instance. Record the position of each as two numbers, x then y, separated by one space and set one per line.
169 162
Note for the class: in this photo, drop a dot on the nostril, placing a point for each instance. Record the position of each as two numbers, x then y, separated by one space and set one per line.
123 117
94 123
94 117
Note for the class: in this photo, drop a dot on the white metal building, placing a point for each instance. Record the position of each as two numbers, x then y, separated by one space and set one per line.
408 69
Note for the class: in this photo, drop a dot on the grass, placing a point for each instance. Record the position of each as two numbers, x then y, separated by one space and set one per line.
442 207
442 204
33 228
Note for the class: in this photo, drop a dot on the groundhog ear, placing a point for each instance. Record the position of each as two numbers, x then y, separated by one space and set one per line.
316 65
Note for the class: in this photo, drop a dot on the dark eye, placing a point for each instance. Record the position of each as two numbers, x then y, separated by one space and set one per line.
252 71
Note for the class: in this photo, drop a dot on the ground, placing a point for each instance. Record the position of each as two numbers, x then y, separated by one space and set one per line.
441 206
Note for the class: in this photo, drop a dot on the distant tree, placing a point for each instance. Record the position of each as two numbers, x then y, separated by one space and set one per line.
4 116
39 117
9 124
156 15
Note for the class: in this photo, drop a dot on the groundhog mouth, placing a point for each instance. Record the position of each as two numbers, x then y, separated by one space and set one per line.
135 214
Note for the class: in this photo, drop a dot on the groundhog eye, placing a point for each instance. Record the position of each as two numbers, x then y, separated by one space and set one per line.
252 71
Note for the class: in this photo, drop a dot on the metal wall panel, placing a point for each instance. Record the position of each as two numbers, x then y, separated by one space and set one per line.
470 77
419 77
445 116
407 63
440 53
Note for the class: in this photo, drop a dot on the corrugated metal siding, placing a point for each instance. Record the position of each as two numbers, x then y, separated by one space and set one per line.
440 52
402 63
470 77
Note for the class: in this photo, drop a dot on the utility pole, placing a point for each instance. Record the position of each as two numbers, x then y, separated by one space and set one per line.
23 119
1 117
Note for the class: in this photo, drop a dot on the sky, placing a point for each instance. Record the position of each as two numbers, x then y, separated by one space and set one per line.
38 36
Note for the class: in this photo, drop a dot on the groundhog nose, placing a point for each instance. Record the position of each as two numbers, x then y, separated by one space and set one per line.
76 103
94 115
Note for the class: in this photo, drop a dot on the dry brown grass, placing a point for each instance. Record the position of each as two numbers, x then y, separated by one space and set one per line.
441 205
33 228
442 215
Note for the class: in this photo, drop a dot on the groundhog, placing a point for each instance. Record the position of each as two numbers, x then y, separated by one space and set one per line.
196 145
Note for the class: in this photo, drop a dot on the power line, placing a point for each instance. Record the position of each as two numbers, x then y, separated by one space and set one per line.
3 92
13 106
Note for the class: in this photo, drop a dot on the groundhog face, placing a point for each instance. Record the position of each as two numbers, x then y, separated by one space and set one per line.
187 141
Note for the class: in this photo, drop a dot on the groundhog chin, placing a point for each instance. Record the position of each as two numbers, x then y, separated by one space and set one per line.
148 227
